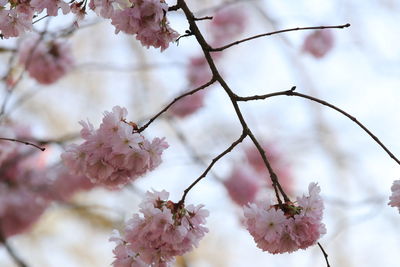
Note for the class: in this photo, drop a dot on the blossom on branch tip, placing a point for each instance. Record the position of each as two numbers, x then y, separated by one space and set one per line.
395 197
162 231
114 154
289 226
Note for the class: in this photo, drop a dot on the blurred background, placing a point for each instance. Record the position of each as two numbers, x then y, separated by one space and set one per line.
356 69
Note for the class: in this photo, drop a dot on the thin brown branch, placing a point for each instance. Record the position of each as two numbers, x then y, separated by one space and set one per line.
232 96
277 32
292 92
325 254
11 252
204 174
203 18
141 129
22 142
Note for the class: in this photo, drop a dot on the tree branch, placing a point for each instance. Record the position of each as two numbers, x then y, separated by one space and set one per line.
325 254
292 92
22 142
141 129
204 174
277 32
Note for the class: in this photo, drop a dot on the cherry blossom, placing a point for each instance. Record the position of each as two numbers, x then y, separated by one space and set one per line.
319 43
287 227
145 18
114 154
162 231
51 6
395 197
46 62
13 23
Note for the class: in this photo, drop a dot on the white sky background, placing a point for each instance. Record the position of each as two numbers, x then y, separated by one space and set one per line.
361 75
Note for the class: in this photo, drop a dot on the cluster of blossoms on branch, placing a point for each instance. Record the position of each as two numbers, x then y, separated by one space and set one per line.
114 154
144 18
287 227
165 230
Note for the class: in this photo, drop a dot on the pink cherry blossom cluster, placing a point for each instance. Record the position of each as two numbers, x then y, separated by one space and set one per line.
319 43
16 15
144 18
165 230
46 62
114 154
395 197
225 25
287 227
244 183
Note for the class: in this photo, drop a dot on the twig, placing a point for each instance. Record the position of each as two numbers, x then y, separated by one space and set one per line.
325 254
292 92
204 174
22 142
277 32
11 252
233 97
203 18
141 129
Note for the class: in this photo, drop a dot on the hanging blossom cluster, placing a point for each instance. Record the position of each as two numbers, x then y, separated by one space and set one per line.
144 18
164 230
395 197
16 15
114 154
46 62
287 227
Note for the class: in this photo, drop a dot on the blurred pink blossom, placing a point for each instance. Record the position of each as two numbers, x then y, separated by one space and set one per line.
46 62
23 186
227 24
278 163
242 185
319 43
